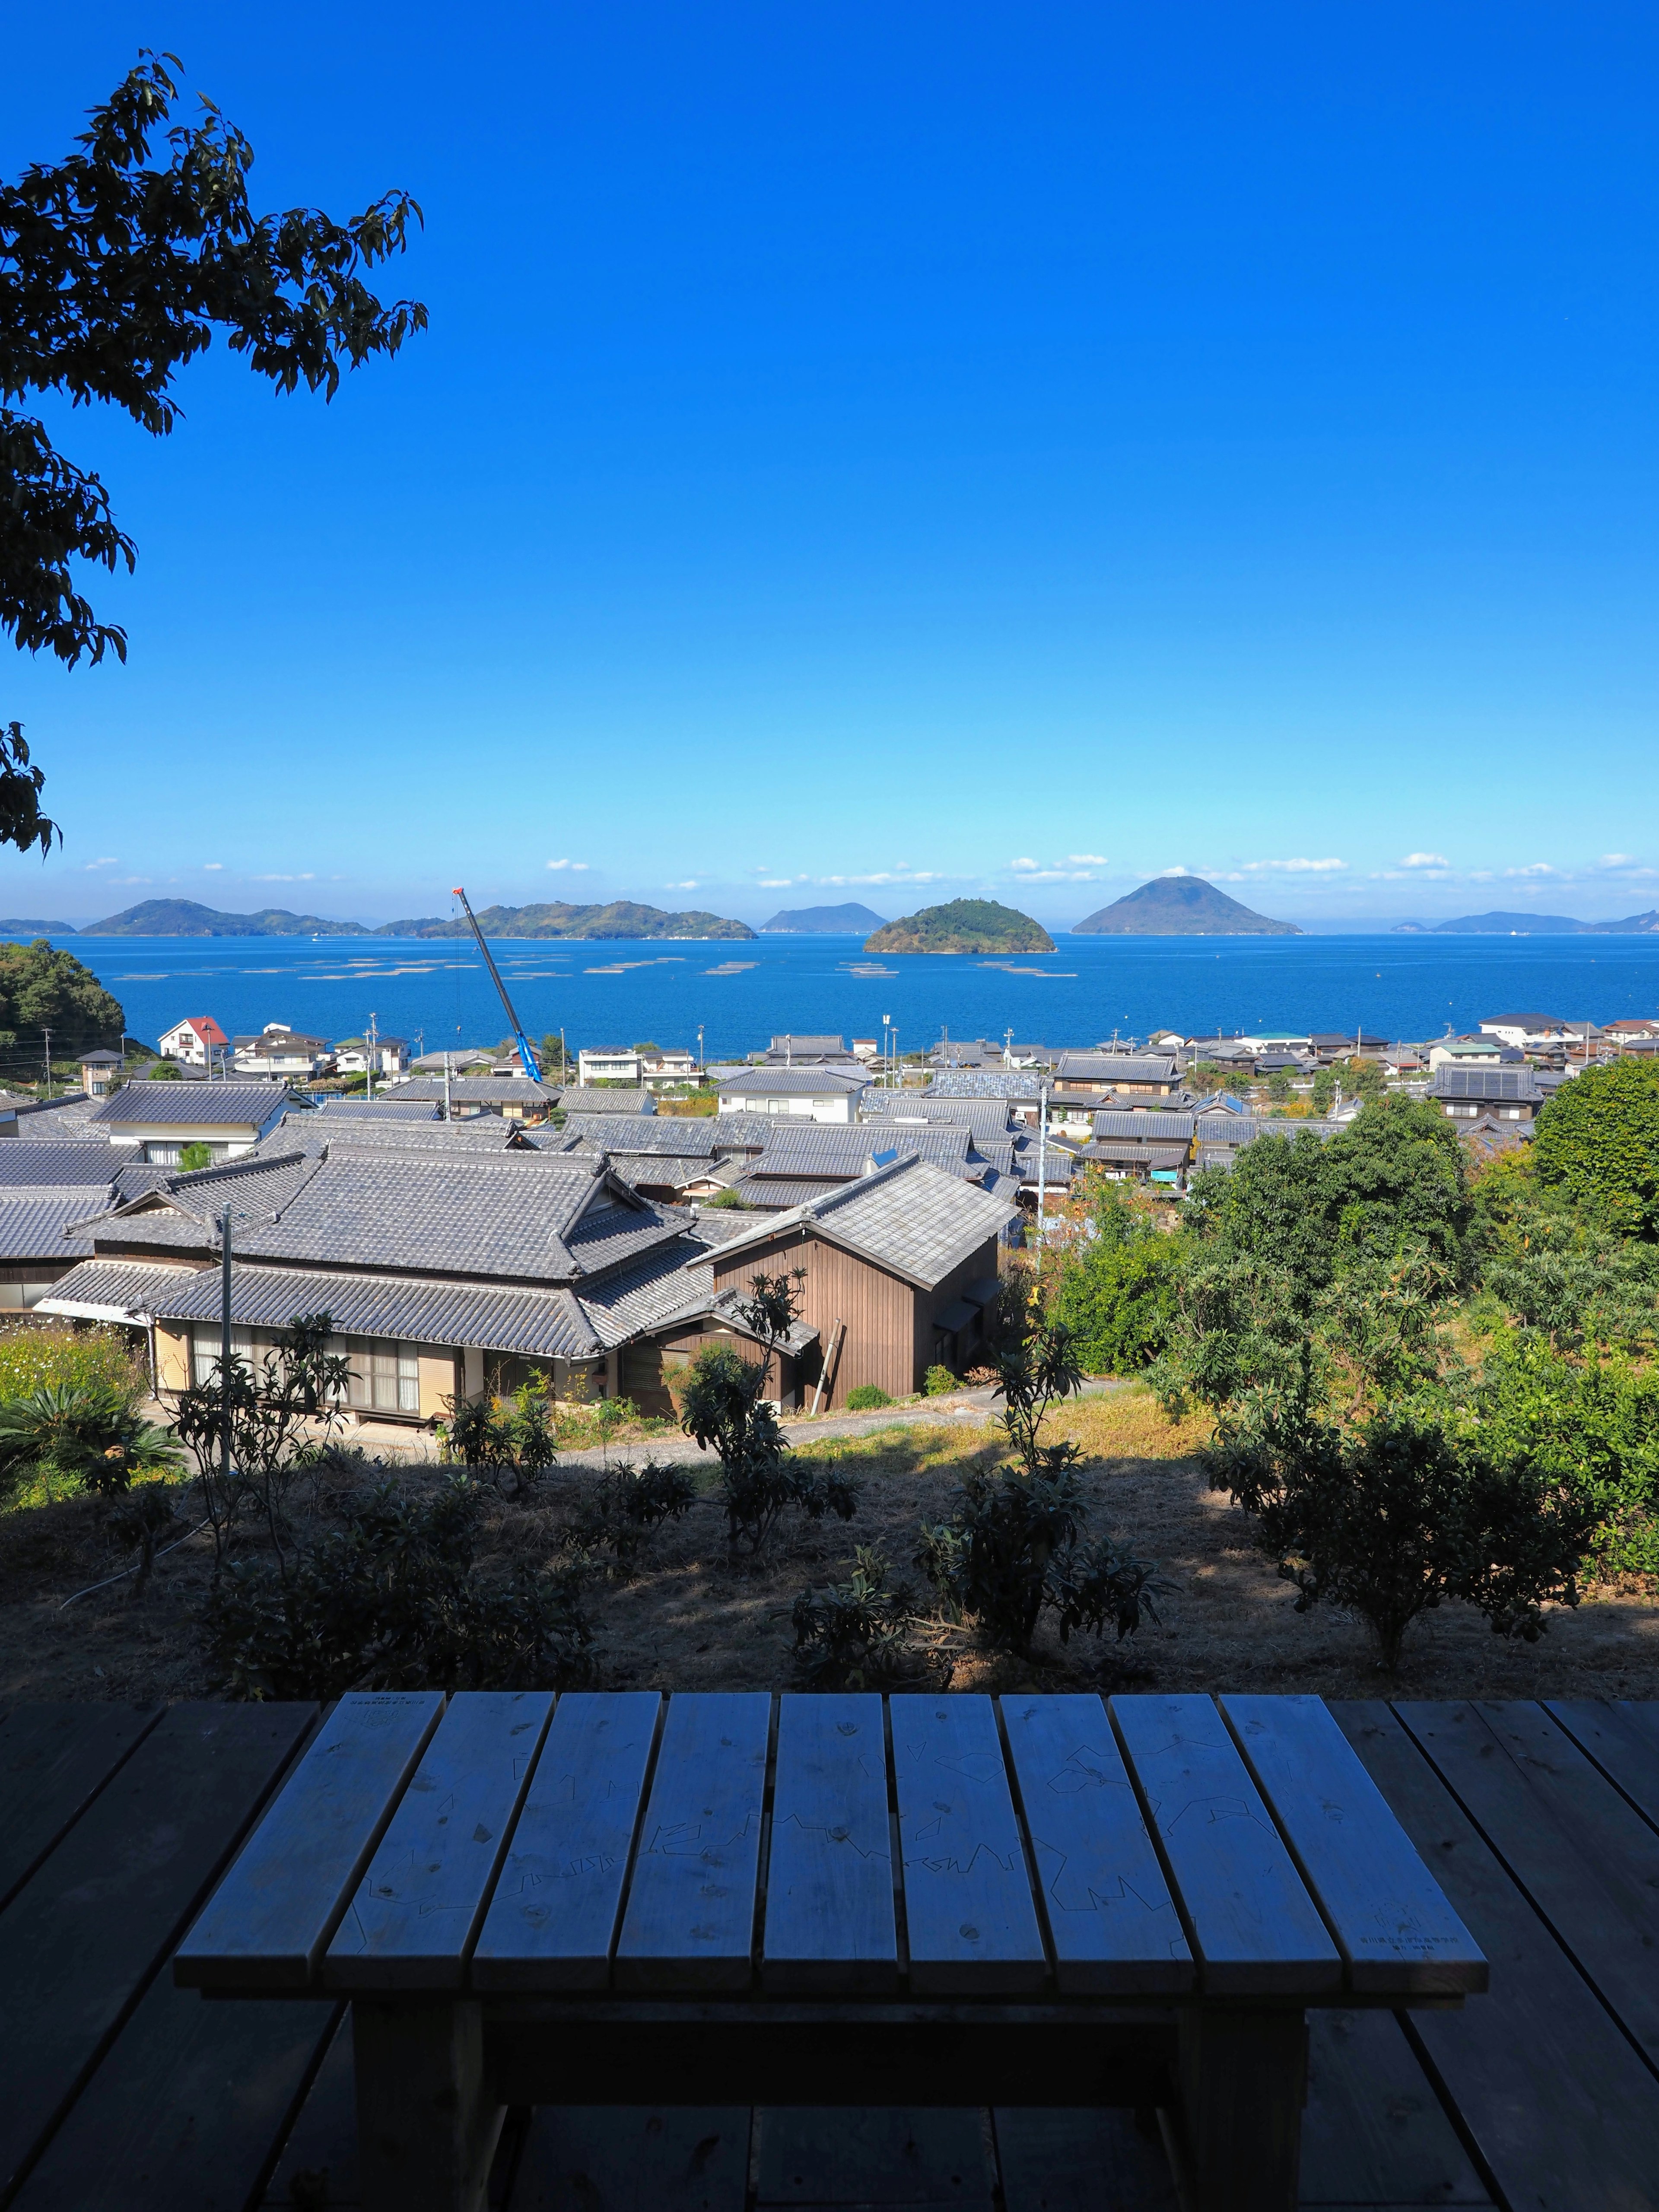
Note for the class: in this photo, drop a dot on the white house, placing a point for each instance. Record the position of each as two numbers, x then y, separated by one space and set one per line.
1467 1052
613 1064
671 1065
1530 1032
809 1094
352 1056
281 1055
156 1121
196 1042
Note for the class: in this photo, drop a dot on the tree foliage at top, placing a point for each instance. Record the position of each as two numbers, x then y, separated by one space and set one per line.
42 988
1597 1144
114 274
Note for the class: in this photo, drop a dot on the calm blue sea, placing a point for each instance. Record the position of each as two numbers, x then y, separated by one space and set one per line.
612 993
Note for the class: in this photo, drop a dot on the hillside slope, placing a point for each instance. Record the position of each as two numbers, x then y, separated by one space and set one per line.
827 921
621 918
1179 906
962 926
184 918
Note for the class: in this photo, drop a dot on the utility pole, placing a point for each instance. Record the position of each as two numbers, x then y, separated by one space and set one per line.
448 1112
702 1063
369 1056
48 1034
1008 1047
225 1219
1042 1164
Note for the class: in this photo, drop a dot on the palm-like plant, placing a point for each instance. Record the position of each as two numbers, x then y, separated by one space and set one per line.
87 1429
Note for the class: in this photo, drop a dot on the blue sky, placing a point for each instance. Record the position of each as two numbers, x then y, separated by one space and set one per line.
894 452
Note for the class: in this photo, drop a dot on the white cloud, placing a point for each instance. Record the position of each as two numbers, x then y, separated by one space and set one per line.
1086 860
1177 871
899 875
579 868
309 877
689 884
1022 865
1533 868
111 862
777 883
1425 860
1294 867
211 865
1617 860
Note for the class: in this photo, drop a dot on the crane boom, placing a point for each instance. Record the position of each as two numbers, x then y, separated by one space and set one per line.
518 1036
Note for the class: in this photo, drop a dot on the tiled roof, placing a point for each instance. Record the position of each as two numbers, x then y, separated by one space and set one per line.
791 1082
380 1110
1116 1067
986 1117
22 1163
969 1083
540 1323
680 1279
646 1133
1125 1155
485 1132
811 1149
1145 1127
911 1218
32 1224
661 1171
475 1091
232 1104
741 1132
588 1098
778 1193
1515 1083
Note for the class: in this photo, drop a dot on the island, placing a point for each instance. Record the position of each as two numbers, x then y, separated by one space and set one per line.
1179 906
38 929
621 918
850 921
184 918
962 926
1545 925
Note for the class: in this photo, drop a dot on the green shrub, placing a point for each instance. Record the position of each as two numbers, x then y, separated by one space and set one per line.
511 1441
47 1355
390 1601
938 1382
192 1157
1392 1515
629 1504
866 1398
1598 1142
1118 1301
860 1635
88 1430
724 1199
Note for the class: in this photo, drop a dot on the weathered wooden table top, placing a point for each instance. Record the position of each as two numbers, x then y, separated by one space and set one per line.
836 1846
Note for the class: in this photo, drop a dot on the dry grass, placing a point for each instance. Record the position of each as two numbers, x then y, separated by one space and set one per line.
695 1620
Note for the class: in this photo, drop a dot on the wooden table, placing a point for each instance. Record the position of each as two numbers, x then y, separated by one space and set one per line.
616 1898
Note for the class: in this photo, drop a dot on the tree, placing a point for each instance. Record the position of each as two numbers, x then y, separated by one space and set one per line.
1597 1143
113 275
42 988
192 1157
1118 1302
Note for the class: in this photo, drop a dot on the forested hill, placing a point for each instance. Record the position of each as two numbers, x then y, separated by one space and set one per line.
962 926
621 918
824 920
184 918
1179 906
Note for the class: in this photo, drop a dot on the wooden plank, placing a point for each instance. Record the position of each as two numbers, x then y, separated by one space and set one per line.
187 2107
632 2159
1112 1923
829 1921
690 1918
1249 1917
427 2120
1374 2132
267 1925
412 1921
884 2155
82 1940
1561 2108
1086 2161
972 1924
552 1919
319 2162
1589 1863
1623 1739
1392 1924
54 1759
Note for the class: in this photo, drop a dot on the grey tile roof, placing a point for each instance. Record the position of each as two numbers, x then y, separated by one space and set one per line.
821 1045
1497 1082
660 1170
778 1193
911 1218
813 1149
588 1098
475 1091
232 1105
791 1082
380 1110
540 1323
741 1132
1127 1155
662 1133
486 1133
986 1117
22 1163
1116 1067
990 1083
1148 1127
58 1120
1059 1166
677 1280
34 1225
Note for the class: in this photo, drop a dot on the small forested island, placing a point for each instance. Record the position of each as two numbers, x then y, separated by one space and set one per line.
962 926
852 920
621 918
1545 925
184 918
1179 906
15 928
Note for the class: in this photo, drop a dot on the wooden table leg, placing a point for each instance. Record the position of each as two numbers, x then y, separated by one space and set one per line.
426 2124
1243 2083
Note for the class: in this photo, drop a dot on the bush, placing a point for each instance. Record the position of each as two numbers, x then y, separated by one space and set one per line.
192 1157
88 1430
1118 1301
866 1398
389 1601
860 1635
1389 1517
629 1504
1598 1142
938 1382
511 1441
44 1355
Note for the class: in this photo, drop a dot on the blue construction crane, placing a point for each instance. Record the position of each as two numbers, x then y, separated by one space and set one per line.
518 1037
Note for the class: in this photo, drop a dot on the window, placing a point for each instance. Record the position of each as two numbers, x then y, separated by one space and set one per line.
205 1343
385 1378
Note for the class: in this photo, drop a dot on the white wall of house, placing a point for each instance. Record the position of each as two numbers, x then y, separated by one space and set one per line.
833 1106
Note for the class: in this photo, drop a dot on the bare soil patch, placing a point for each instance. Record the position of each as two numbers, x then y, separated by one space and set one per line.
694 1618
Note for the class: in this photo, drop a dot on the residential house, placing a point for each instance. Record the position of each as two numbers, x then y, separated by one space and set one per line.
100 1072
155 1120
1146 1143
511 1097
1472 1052
865 1048
48 1191
606 1064
791 1051
1219 1138
390 1056
1500 1096
575 1100
1530 1032
281 1055
1097 1074
813 1094
196 1042
668 1065
899 1270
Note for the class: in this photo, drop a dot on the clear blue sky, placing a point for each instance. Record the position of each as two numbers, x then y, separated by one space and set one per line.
919 450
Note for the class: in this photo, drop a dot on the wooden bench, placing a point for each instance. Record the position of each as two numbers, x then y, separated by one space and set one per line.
615 1898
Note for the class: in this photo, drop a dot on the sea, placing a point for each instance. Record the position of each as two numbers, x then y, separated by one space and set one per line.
437 993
